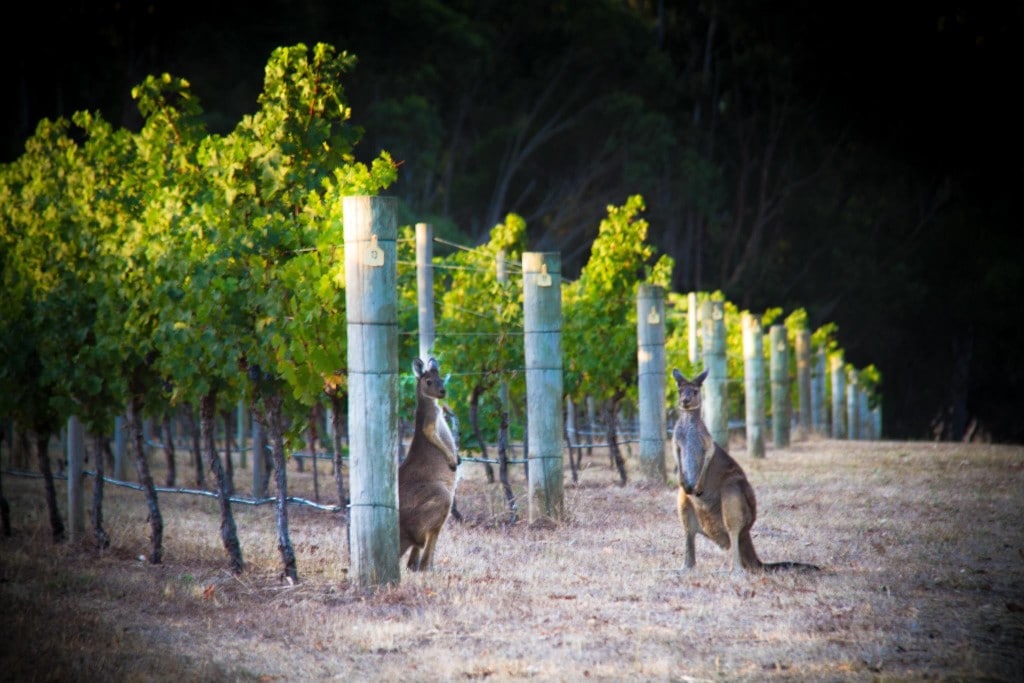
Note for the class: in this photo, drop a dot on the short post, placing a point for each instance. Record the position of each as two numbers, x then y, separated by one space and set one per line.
852 405
120 463
425 286
863 414
371 299
819 410
76 497
691 325
650 352
501 275
542 318
780 385
716 392
753 383
803 379
838 373
240 435
259 459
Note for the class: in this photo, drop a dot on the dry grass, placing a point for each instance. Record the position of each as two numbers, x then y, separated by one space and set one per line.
921 544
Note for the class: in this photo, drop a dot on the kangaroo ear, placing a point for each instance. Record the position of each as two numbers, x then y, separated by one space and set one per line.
432 365
417 368
699 379
678 376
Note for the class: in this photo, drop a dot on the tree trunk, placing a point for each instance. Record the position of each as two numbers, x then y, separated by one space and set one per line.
228 531
172 474
102 540
229 445
474 421
5 508
337 427
43 455
503 467
5 511
156 522
613 439
273 422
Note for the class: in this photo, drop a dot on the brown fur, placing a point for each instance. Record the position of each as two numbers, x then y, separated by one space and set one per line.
715 498
426 478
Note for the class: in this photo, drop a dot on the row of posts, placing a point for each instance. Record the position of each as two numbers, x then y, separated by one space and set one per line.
371 232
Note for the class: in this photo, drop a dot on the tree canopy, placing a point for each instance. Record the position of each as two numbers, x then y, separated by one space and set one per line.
839 162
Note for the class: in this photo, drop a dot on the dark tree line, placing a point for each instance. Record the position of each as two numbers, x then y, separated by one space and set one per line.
842 162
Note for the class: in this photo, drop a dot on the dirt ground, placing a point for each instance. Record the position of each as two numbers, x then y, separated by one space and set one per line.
921 547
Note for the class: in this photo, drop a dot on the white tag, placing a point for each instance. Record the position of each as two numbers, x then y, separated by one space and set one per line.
543 277
653 318
374 254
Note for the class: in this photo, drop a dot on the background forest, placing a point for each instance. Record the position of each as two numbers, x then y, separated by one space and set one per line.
859 164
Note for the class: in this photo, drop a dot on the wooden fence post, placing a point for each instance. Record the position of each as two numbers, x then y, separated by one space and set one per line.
838 395
542 317
243 453
819 409
803 379
120 462
863 415
371 300
650 352
753 383
852 416
259 458
691 324
425 287
76 497
716 392
780 385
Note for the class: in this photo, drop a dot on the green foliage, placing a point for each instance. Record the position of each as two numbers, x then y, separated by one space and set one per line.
601 305
479 330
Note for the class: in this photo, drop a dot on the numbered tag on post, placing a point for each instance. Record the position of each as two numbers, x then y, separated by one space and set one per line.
543 277
653 318
374 254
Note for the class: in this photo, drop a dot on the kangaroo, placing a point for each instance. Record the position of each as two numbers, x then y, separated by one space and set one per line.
715 498
426 478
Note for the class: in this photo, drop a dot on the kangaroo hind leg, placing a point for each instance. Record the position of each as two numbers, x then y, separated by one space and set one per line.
691 526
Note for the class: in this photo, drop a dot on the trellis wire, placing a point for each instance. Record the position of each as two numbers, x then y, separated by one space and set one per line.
187 491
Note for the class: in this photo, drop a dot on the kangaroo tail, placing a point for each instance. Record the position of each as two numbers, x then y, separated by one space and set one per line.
794 566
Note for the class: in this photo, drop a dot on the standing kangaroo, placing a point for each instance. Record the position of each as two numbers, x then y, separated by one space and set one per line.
426 478
715 498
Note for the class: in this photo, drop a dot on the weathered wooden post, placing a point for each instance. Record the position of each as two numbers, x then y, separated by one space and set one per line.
753 383
716 392
76 497
692 317
371 300
780 385
819 409
542 318
243 452
852 405
863 414
259 458
838 373
425 286
501 275
650 352
120 462
803 379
